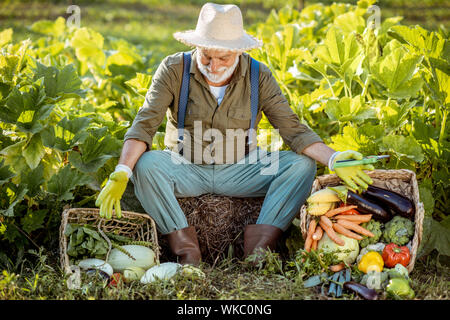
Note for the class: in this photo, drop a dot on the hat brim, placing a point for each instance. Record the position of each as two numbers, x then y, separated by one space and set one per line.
244 43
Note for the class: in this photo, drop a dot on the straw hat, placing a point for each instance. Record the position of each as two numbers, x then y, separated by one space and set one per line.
219 27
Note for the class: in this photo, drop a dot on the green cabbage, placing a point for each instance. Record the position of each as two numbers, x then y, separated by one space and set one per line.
346 253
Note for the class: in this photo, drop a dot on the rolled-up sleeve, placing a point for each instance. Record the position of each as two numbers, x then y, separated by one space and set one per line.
275 106
157 100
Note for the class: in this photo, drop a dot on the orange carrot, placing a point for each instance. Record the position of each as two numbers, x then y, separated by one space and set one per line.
345 232
330 232
311 230
314 245
333 212
355 218
355 227
337 267
317 235
326 221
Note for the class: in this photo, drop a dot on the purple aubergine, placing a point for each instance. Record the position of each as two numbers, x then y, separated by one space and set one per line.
363 291
396 202
366 206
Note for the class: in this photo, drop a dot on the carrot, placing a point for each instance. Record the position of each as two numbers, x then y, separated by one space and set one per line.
345 232
330 232
308 243
355 227
337 267
355 218
317 235
333 212
327 221
311 229
314 245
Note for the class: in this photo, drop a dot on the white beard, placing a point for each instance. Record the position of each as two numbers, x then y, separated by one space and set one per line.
206 71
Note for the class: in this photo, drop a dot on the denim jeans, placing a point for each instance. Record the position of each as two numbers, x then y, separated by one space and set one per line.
284 178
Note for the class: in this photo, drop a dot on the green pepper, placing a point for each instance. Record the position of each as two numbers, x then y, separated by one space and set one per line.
398 288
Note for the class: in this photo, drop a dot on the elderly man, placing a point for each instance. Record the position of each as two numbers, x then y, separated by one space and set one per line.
212 106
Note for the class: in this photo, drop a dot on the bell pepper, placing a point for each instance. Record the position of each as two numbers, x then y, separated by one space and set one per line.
398 288
371 261
394 254
348 212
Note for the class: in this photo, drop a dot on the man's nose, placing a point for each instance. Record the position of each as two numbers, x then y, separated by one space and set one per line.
214 65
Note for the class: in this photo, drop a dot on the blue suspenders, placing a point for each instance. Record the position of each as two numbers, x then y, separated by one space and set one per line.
184 94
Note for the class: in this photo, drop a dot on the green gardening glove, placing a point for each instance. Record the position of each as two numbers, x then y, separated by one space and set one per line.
354 177
111 194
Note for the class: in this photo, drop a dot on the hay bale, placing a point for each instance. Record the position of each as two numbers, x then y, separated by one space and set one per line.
219 221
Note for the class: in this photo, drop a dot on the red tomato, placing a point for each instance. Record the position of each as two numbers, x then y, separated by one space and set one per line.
115 279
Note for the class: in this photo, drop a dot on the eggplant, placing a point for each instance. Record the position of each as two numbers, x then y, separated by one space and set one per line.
363 291
396 202
367 207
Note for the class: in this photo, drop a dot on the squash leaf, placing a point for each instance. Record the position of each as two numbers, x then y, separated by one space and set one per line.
95 151
396 72
59 83
26 109
66 134
63 182
435 237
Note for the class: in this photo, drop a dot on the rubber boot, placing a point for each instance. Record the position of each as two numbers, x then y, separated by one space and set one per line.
260 236
184 243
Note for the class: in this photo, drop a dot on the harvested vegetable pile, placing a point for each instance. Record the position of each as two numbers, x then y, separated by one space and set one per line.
370 235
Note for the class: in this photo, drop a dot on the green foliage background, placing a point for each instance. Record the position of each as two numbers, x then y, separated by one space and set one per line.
68 95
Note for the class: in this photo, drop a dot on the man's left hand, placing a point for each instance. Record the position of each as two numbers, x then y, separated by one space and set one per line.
354 177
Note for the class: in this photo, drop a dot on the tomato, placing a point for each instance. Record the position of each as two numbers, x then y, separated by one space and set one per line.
115 279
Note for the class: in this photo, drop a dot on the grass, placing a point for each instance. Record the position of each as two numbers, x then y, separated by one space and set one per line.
38 278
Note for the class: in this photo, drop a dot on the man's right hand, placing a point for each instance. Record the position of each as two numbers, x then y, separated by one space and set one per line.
111 194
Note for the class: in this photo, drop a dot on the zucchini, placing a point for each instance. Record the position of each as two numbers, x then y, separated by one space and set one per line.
399 204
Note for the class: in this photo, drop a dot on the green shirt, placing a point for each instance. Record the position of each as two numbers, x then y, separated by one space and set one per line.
215 134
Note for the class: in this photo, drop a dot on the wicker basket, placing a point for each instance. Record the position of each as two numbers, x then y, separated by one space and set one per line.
401 181
137 226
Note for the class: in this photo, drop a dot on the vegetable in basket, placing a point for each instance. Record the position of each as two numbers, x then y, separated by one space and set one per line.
375 279
346 253
140 256
85 242
396 202
399 288
378 247
371 261
399 271
321 201
376 228
364 205
399 231
394 254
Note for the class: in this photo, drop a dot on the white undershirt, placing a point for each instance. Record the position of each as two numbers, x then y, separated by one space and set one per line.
218 92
